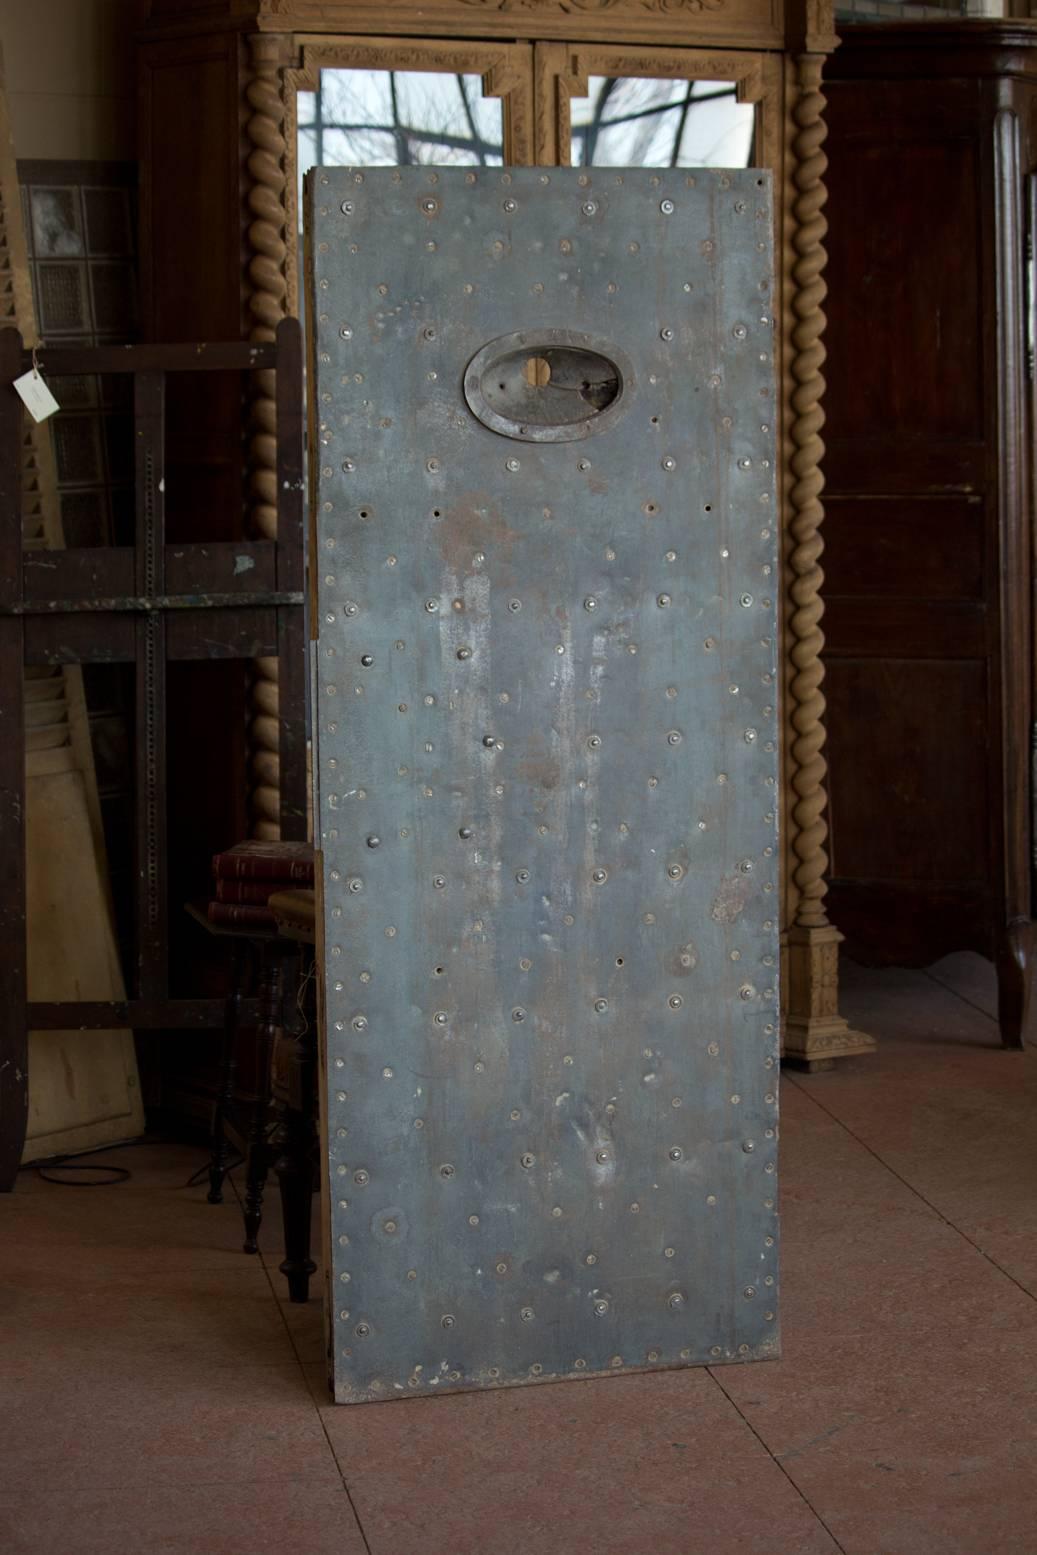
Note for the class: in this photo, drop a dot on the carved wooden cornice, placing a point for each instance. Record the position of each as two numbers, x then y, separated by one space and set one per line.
799 25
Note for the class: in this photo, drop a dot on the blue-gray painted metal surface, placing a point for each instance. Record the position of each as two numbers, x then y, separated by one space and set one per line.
546 772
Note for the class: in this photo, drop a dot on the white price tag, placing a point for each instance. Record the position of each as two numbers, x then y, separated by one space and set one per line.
39 401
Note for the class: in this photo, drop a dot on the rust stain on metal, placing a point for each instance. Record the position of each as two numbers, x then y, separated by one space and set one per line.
730 898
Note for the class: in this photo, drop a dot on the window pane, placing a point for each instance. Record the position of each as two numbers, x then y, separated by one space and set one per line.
635 121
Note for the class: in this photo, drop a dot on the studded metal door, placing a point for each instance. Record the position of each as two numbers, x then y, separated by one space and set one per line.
546 767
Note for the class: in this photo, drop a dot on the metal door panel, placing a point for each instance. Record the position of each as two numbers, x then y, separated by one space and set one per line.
546 773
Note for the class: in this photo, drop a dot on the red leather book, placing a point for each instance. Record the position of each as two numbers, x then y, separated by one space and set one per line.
288 862
253 892
241 915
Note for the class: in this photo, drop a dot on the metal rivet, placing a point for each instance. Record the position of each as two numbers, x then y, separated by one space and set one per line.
464 833
346 207
359 1023
447 1320
676 1300
446 1170
512 465
527 1160
599 876
675 1001
589 208
518 1013
522 875
514 605
674 737
361 1179
373 842
666 334
464 653
667 207
676 1154
664 600
601 1005
594 742
600 1308
669 463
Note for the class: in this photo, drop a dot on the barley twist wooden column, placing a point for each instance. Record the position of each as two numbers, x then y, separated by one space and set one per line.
815 1033
267 300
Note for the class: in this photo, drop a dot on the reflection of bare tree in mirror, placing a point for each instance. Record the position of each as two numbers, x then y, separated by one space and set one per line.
393 118
635 121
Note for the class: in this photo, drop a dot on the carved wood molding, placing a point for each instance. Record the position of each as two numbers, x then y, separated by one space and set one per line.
754 23
807 768
267 296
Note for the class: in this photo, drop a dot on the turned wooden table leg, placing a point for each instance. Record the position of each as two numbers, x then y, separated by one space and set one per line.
271 996
219 1151
295 1091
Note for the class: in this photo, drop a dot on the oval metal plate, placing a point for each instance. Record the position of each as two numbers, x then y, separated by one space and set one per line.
581 385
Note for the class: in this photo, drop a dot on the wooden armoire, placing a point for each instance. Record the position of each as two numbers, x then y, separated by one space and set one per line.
238 97
929 537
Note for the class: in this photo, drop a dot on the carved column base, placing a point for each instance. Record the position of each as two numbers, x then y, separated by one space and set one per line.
815 1034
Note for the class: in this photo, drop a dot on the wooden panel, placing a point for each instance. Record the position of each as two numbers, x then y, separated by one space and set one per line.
904 547
905 345
908 769
189 203
902 628
912 922
221 634
72 639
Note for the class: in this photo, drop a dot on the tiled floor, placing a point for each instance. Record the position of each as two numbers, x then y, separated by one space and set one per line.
160 1398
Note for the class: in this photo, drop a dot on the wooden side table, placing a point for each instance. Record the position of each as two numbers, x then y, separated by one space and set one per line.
260 956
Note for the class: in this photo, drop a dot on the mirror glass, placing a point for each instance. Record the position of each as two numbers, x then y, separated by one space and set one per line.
392 118
636 121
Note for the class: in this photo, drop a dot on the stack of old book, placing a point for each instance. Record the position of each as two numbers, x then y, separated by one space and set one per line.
249 874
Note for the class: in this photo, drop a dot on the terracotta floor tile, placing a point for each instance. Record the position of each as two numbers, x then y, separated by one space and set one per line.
149 1406
209 1519
944 1106
223 1317
906 1402
619 1466
971 977
304 1322
108 1424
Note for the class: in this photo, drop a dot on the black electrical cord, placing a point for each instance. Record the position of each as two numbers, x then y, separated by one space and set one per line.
46 1168
76 1163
